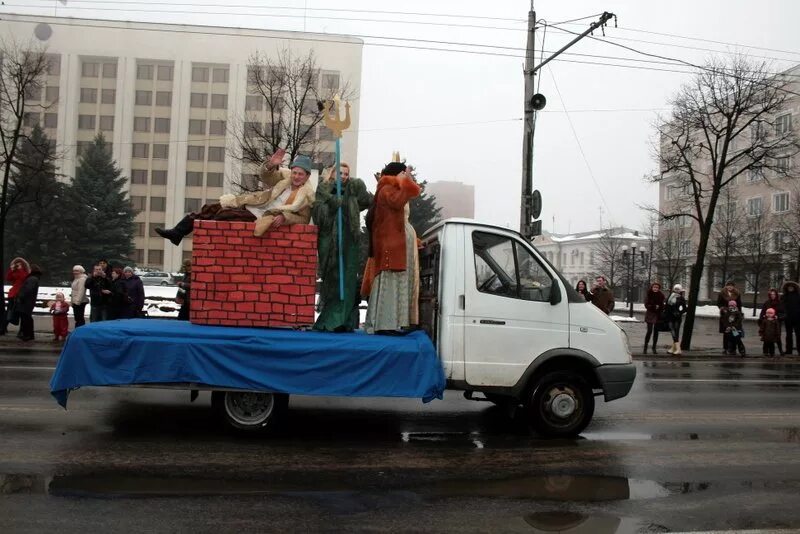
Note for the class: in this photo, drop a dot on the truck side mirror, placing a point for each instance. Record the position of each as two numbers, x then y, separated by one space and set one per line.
555 293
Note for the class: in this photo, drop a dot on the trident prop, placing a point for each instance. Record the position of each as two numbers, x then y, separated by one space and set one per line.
337 126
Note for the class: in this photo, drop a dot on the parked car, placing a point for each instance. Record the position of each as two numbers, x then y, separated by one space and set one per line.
157 278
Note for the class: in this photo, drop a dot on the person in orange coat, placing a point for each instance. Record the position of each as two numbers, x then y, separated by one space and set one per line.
391 278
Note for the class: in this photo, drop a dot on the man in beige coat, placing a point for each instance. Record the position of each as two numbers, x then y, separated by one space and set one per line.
287 201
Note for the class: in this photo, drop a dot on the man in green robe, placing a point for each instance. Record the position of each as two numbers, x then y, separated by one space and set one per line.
339 315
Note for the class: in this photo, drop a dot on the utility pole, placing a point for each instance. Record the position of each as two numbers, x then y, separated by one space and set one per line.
530 200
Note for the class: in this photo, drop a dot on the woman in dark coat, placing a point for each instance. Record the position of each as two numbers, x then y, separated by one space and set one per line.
727 294
773 301
654 304
583 290
26 301
135 290
119 295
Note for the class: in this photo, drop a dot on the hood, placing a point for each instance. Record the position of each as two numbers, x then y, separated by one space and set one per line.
787 284
23 261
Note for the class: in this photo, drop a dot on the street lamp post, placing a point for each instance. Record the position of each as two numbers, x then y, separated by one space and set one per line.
630 262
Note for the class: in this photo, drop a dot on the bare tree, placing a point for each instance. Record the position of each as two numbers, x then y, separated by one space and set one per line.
725 123
285 108
755 253
672 250
726 234
789 226
607 258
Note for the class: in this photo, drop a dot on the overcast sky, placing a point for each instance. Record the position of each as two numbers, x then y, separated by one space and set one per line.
413 100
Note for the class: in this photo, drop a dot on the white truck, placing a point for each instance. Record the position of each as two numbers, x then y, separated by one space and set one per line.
505 324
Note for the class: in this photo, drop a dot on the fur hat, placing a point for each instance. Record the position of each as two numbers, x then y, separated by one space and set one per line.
677 288
732 304
394 168
78 268
304 162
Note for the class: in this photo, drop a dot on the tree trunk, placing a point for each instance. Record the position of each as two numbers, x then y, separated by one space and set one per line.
755 295
694 284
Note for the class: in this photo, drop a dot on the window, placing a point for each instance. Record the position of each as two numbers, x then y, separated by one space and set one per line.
106 123
51 94
186 255
138 176
754 207
195 153
31 119
88 96
192 205
505 268
138 202
165 73
755 174
139 229
108 96
83 147
216 127
90 70
216 153
254 103
198 100
160 151
780 202
214 179
86 122
252 129
164 98
33 92
141 150
199 74
197 126
141 124
144 72
194 178
158 177
53 64
685 248
776 279
582 258
780 239
330 82
220 76
144 98
219 101
783 164
158 203
748 285
325 134
109 70
161 125
51 120
155 258
783 124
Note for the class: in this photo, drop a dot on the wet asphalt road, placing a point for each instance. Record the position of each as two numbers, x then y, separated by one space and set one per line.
697 445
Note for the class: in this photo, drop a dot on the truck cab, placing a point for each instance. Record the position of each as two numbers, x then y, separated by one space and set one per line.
507 325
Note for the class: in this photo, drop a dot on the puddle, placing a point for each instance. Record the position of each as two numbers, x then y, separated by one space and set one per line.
567 488
472 438
576 523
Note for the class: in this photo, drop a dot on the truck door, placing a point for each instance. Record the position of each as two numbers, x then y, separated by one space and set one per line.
509 318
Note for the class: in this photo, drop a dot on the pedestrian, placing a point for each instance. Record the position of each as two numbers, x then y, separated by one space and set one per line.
774 301
602 297
727 294
119 295
18 271
791 306
26 302
654 306
391 277
732 337
59 309
339 313
78 297
583 290
770 331
184 297
99 287
135 291
676 307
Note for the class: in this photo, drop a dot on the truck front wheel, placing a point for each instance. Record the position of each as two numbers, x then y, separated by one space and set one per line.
560 404
250 412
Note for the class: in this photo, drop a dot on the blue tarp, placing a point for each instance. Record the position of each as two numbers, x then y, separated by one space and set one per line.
149 351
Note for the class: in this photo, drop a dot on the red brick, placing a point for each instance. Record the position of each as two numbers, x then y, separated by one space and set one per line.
291 289
277 307
263 307
229 306
304 244
236 296
251 297
311 238
234 241
205 277
274 279
242 278
280 297
283 243
246 307
217 314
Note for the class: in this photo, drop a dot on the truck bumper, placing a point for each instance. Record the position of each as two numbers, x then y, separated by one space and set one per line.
616 379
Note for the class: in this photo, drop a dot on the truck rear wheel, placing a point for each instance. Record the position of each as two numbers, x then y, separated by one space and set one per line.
250 412
560 404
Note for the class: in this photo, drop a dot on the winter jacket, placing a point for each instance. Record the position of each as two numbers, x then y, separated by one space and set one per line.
119 299
654 304
676 306
723 298
17 276
78 295
59 308
603 298
386 221
770 331
776 305
96 285
26 298
135 291
791 302
733 319
585 293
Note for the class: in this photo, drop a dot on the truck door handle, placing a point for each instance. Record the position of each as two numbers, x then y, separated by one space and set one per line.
491 321
462 302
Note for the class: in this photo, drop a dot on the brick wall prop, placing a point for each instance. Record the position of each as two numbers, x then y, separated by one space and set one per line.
242 280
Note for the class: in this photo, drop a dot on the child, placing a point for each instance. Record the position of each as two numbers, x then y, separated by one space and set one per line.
770 331
59 309
732 319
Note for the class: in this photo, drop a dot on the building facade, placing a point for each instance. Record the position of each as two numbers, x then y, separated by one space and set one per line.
456 199
165 97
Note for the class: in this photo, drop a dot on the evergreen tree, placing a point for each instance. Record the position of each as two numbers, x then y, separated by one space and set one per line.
424 211
37 209
102 225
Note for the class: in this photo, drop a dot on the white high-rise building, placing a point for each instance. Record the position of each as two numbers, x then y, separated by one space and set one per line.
164 95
